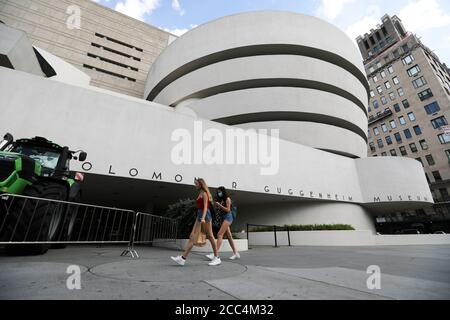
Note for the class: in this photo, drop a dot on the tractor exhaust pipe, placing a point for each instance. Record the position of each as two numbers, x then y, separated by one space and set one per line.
7 140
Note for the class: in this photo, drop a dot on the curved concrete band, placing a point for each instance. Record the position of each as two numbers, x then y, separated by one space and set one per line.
316 135
251 34
283 70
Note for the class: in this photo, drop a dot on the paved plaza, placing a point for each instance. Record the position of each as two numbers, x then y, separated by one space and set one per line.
263 273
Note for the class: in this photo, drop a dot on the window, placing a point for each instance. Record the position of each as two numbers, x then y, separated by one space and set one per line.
424 95
375 79
389 140
423 144
372 94
387 84
402 120
419 82
397 107
447 153
439 122
403 151
380 89
398 137
405 104
393 124
414 71
417 130
444 194
432 108
383 74
372 147
407 133
411 116
437 176
395 80
444 138
391 69
380 143
384 100
376 131
430 160
413 147
376 105
400 91
393 153
408 59
384 127
384 154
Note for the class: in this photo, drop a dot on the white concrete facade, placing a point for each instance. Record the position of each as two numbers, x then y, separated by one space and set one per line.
277 70
322 105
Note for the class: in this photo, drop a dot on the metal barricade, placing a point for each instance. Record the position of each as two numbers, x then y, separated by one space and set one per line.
150 229
28 221
273 228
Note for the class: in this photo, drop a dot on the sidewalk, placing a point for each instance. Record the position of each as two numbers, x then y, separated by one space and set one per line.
413 272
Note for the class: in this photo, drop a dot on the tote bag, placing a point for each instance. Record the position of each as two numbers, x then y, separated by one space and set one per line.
200 237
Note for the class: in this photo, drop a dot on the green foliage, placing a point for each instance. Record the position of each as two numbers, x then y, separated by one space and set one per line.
315 227
185 212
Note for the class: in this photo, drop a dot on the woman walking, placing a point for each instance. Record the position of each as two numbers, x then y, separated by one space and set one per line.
223 203
204 200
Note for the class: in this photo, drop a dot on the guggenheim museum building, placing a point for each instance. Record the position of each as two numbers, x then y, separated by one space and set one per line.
289 80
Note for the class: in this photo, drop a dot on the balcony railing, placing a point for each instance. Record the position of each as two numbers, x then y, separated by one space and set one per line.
387 112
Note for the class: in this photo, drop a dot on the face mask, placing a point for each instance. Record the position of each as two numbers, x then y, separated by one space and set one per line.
220 194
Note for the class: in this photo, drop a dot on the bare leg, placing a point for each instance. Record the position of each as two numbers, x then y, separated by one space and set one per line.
225 226
230 240
190 244
209 233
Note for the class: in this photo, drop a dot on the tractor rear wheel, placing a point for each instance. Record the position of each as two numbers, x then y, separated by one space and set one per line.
35 220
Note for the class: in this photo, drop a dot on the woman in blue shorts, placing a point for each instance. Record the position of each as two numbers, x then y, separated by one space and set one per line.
223 204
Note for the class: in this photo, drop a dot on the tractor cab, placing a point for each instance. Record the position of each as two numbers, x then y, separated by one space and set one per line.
24 160
37 168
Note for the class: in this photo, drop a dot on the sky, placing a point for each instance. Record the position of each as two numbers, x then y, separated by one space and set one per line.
429 19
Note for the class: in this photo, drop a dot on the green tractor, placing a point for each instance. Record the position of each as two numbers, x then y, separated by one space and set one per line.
36 168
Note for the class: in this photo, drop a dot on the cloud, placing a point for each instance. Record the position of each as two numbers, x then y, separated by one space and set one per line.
423 15
179 32
177 7
331 9
137 9
360 27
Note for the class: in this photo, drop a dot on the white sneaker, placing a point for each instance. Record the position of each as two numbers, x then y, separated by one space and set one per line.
235 256
210 256
179 260
216 261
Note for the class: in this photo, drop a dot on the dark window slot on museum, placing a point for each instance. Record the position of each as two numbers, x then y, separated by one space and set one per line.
109 72
112 62
115 51
118 42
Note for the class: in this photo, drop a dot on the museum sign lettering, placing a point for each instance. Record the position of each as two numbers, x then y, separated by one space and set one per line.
179 178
